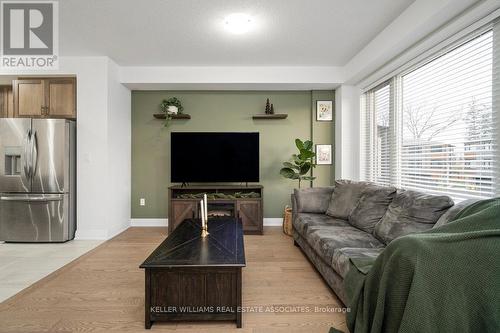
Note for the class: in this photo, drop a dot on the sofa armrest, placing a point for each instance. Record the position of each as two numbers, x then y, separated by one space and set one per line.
312 200
453 211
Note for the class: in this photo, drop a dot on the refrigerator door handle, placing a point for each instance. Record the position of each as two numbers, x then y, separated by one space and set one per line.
26 156
34 154
44 198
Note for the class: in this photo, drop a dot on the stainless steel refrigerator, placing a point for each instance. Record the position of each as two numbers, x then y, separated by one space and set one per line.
37 180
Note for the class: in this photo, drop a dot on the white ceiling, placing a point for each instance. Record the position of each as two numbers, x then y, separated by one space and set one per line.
190 32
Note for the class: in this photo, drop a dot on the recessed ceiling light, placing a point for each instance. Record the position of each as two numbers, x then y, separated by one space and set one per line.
238 23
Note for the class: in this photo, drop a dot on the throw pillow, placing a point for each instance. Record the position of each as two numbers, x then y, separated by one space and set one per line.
313 200
411 212
372 207
345 197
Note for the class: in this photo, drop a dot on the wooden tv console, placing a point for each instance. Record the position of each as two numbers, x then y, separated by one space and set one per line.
183 203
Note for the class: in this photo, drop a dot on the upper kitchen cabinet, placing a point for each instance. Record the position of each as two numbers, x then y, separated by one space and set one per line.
45 97
60 98
6 102
29 98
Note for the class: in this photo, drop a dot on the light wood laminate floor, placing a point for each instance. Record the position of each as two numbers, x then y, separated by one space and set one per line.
103 291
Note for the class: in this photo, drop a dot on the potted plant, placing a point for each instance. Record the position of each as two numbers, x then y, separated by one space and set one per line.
301 163
170 107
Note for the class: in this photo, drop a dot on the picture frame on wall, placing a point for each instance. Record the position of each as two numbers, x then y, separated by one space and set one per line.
324 155
324 111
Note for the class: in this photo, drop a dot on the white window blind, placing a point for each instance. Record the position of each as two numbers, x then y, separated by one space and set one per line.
439 133
378 106
447 123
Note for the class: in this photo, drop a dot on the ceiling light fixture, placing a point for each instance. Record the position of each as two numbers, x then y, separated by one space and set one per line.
238 23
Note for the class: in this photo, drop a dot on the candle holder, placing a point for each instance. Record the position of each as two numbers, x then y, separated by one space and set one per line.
204 232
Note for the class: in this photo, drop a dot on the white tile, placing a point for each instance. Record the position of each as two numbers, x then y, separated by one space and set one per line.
21 265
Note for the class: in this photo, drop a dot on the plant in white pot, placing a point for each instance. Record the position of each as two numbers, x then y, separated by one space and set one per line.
170 107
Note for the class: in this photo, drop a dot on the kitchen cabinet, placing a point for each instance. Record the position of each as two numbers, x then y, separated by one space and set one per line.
6 102
45 97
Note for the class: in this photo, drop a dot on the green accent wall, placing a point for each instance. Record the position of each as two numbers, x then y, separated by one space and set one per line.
224 111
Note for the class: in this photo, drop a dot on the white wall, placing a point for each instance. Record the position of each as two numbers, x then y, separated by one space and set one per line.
100 198
419 28
119 152
347 132
230 78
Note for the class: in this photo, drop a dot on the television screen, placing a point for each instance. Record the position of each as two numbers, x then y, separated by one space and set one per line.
209 157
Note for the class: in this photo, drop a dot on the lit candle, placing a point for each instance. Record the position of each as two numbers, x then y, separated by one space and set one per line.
202 209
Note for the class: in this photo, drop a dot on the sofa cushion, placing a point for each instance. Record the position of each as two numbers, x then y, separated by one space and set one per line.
340 260
325 240
371 207
304 221
345 197
313 200
411 212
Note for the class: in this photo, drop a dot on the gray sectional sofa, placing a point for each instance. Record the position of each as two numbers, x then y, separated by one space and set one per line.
358 219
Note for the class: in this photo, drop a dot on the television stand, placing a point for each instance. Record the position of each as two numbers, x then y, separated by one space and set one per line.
240 201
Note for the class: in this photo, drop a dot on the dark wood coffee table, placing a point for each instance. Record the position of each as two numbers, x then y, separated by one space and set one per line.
193 278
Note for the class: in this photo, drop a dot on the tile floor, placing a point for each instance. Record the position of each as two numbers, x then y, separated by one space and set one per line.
23 264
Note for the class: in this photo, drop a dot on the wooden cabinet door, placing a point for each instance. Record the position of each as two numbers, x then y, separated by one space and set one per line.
181 210
6 103
250 213
3 101
10 102
60 97
29 98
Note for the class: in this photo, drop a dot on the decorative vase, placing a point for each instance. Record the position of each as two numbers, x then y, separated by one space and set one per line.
172 109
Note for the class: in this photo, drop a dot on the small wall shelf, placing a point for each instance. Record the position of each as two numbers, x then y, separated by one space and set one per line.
174 116
270 116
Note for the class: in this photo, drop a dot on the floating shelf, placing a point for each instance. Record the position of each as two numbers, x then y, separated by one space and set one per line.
174 116
270 116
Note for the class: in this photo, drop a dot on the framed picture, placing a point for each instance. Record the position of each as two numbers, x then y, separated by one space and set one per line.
323 154
324 110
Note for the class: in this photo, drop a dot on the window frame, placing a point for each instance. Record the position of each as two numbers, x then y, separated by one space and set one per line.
396 112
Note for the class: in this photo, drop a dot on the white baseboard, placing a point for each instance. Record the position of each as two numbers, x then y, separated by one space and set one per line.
99 234
148 222
268 222
118 231
91 234
273 221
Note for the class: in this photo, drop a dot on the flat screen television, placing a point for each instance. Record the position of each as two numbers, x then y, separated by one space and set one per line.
213 157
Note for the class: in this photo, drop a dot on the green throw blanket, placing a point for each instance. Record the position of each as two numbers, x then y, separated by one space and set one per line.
443 280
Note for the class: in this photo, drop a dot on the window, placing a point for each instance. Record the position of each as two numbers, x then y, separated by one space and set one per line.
445 133
378 111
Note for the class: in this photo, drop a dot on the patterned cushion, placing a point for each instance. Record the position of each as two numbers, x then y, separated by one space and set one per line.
345 197
372 207
411 212
340 260
313 200
325 240
306 221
